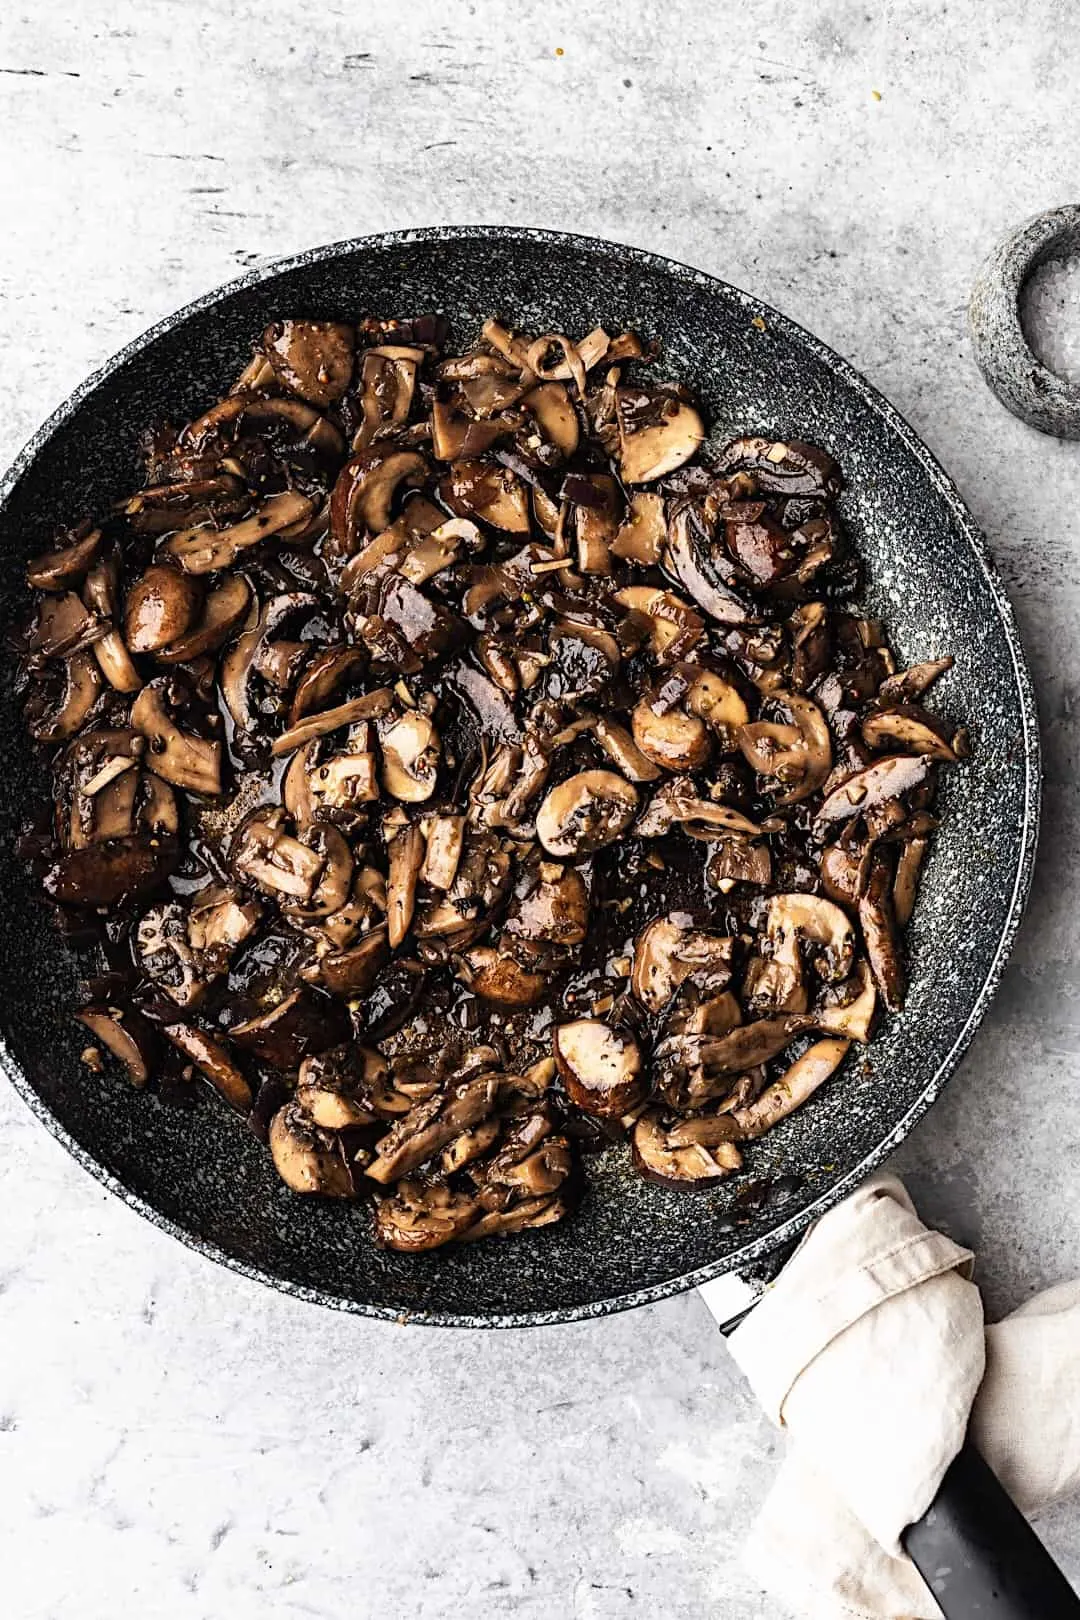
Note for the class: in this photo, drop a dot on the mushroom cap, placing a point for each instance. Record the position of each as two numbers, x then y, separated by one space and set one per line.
586 812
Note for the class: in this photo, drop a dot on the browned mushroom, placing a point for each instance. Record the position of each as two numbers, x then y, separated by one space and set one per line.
678 802
107 873
160 607
910 727
423 1215
488 492
212 1060
874 785
429 1126
657 433
797 756
550 907
908 685
586 812
694 1164
498 976
797 1083
312 358
775 980
405 854
180 757
305 1022
82 688
906 885
308 1159
600 1067
783 468
667 954
127 1035
410 757
223 611
848 1009
670 737
642 534
56 570
877 920
331 1090
206 550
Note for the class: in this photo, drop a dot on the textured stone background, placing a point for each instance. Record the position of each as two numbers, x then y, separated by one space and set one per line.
174 1438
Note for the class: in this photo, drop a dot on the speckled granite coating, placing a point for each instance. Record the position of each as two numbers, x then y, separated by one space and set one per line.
925 574
175 1439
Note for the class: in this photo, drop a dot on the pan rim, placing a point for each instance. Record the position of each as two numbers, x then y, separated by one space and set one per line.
785 1232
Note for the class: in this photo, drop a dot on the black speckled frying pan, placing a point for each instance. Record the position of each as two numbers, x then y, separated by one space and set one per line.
201 1175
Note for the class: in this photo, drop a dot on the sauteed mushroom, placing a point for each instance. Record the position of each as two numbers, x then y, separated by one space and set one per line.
464 739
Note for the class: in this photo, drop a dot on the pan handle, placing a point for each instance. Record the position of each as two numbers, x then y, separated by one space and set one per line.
973 1547
978 1554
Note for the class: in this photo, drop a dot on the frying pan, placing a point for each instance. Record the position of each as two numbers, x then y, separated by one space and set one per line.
201 1175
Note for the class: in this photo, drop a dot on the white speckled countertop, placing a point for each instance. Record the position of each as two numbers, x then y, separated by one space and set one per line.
174 1439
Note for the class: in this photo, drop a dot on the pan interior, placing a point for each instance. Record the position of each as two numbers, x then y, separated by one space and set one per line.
201 1173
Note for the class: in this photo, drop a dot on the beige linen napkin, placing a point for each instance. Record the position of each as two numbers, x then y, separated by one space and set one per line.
871 1350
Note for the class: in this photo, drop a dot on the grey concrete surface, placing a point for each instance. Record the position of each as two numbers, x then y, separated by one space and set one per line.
175 1440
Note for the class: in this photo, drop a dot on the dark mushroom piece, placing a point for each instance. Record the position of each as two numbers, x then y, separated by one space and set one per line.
304 1023
212 1060
667 954
877 920
586 812
910 727
110 872
600 1066
312 358
876 784
692 1164
423 1215
308 1159
180 757
159 608
332 1091
127 1035
66 566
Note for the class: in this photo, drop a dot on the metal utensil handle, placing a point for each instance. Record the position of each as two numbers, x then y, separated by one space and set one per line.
980 1557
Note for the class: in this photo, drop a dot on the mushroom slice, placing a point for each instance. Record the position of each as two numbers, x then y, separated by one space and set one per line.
678 801
218 921
675 626
670 737
82 688
718 703
365 491
657 433
223 612
878 923
848 1009
657 1159
330 1089
371 706
423 1215
114 870
495 975
600 1067
335 879
666 955
160 607
126 1034
179 757
550 908
431 1125
523 1217
795 1086
405 854
282 866
312 358
586 812
908 685
624 752
322 677
799 756
442 856
64 626
211 1058
775 979
470 1145
304 1023
307 1159
205 550
387 388
410 757
750 1044
791 467
57 570
550 403
887 778
352 970
910 727
906 884
693 559
488 492
738 860
165 507
241 411
642 535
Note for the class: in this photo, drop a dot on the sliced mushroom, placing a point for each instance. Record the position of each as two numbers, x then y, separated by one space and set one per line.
550 403
445 842
642 535
670 737
910 727
410 757
353 969
82 688
488 492
795 1086
64 567
906 884
719 704
307 1159
877 920
430 1126
330 1089
127 1035
678 801
693 559
551 908
405 854
312 358
600 1067
908 685
223 612
496 975
334 883
305 1022
160 607
776 978
179 757
797 756
849 1008
205 549
874 785
371 706
525 1216
658 1159
667 954
790 467
64 626
657 433
423 1215
624 752
107 873
586 812
675 627
212 1060
738 860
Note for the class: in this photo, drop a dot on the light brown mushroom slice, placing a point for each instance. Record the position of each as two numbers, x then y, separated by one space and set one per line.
369 707
126 1035
307 1159
82 688
642 535
853 1018
205 550
384 473
488 492
211 1058
179 757
60 569
267 855
335 880
666 954
908 685
312 358
657 1159
442 856
649 452
405 853
330 1089
550 403
624 752
223 611
494 975
673 739
910 727
586 812
678 801
352 969
160 607
410 758
674 621
887 778
906 883
795 1086
719 704
798 756
599 1066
